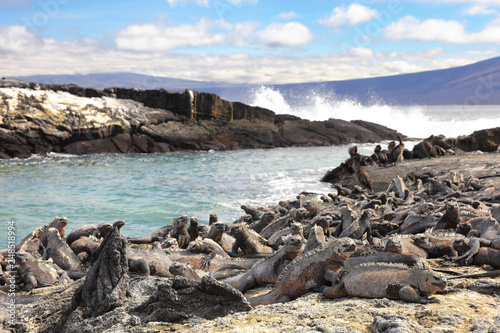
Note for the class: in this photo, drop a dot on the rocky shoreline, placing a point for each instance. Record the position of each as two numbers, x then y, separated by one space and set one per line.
38 119
157 302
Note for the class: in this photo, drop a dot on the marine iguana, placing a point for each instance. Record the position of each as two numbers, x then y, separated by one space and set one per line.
266 219
149 263
216 233
390 281
62 255
437 245
356 228
296 215
268 270
404 246
248 241
36 241
451 218
316 239
185 270
193 228
278 239
159 235
256 214
308 268
179 231
206 246
98 231
85 247
35 273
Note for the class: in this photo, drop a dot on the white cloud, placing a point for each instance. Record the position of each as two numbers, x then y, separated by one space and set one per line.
480 10
453 32
158 38
288 16
350 16
290 34
18 39
361 52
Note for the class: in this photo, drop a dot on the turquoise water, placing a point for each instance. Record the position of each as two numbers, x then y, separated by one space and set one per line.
147 191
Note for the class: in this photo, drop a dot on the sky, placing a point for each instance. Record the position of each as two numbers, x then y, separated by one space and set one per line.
245 41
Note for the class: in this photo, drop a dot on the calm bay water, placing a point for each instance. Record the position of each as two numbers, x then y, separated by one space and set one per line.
148 191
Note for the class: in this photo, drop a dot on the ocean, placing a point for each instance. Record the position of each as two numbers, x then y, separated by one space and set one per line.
149 190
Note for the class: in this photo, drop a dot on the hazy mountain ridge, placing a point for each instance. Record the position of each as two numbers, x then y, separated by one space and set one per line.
477 83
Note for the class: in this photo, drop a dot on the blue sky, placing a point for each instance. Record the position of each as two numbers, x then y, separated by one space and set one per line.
245 41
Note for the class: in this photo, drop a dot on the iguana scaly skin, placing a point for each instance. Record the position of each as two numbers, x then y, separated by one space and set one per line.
247 240
390 281
35 273
62 255
268 270
308 268
96 230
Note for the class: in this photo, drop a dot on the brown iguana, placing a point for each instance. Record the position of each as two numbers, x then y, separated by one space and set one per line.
278 239
62 255
148 262
36 241
180 232
35 273
316 239
296 215
451 217
96 230
397 244
207 246
357 227
268 270
247 240
266 219
159 235
308 268
390 281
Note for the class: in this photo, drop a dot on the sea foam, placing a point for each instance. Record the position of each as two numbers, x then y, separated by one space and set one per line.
416 121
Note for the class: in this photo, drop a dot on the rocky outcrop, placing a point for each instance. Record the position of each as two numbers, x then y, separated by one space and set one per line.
38 119
486 140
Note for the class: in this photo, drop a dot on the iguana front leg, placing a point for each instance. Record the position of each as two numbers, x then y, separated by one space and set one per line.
410 294
335 291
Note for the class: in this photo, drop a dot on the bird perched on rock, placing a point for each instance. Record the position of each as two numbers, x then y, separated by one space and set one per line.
362 175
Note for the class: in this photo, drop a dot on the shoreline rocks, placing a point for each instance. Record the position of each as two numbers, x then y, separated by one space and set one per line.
154 303
38 119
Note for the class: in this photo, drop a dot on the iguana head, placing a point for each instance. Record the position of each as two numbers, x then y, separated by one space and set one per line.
423 241
181 221
294 246
103 229
394 245
239 231
343 247
53 235
431 282
60 224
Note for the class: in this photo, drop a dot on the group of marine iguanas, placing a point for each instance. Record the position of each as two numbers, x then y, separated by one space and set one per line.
352 243
431 147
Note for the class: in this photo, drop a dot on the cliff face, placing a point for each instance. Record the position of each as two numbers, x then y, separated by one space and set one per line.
38 119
